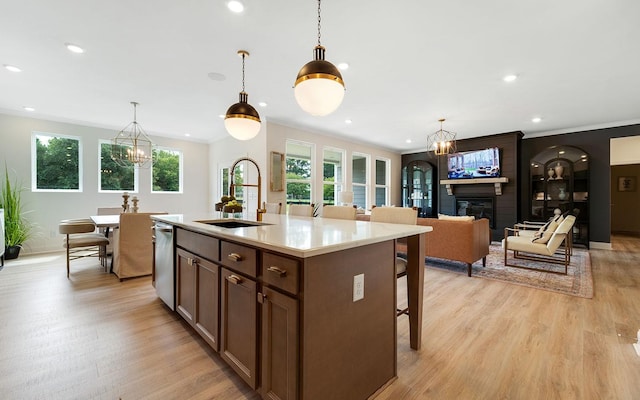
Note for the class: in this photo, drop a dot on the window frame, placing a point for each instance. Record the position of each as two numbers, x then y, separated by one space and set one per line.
387 176
34 162
338 185
180 171
354 185
310 180
136 175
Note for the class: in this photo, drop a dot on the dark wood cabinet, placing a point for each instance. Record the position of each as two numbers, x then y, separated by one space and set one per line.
560 180
185 285
197 294
238 324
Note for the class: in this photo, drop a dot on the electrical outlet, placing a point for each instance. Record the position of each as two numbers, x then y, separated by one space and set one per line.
358 287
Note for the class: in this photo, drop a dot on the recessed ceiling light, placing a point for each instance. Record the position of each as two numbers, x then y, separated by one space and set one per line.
187 134
27 108
510 78
343 66
347 121
235 6
536 120
216 76
12 68
74 48
262 104
408 140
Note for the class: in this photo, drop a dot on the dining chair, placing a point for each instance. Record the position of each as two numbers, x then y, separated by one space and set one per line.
272 208
301 210
397 215
133 245
82 240
339 212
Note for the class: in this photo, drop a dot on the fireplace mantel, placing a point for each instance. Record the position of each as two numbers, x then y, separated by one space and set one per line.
497 183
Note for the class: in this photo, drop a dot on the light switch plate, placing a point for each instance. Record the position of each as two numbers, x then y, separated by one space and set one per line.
358 287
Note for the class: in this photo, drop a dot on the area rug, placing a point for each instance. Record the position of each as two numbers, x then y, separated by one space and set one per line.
578 281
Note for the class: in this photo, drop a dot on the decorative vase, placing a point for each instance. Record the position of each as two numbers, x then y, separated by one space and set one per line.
563 194
550 172
559 170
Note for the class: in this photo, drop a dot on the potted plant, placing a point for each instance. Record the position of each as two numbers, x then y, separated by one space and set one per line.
17 228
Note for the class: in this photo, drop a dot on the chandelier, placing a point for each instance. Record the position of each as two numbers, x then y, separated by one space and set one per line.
242 121
132 145
319 88
441 142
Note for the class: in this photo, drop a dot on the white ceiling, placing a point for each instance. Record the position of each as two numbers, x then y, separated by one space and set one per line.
577 61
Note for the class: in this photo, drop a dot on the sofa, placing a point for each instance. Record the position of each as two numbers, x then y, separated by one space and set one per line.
458 240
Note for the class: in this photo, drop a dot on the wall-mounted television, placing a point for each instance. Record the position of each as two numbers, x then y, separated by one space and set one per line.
474 164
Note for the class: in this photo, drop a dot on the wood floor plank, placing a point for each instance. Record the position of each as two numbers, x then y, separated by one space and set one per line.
94 337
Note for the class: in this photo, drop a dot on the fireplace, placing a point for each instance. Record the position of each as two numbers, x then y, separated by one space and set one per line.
479 207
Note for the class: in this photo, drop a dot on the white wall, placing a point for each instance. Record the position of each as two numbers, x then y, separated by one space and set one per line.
625 150
49 208
277 136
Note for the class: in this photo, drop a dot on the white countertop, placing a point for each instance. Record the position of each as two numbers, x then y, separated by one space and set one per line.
299 236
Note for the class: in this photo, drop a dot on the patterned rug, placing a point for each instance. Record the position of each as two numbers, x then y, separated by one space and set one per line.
578 281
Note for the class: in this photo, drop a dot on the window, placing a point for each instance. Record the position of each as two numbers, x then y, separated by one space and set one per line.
298 172
114 177
55 162
333 175
382 182
359 183
166 173
224 181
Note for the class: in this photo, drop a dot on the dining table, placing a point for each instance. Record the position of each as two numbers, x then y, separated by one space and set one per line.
108 222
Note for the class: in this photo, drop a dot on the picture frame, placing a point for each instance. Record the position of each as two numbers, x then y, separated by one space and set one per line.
626 184
276 183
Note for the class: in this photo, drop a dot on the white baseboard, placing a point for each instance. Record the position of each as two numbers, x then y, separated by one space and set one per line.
600 245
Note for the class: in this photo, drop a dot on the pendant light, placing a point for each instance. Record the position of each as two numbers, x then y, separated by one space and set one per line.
319 88
132 145
242 120
441 142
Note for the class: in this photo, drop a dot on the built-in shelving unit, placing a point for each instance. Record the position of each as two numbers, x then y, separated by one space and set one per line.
497 183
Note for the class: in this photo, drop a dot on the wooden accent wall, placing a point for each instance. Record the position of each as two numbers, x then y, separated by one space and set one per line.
506 205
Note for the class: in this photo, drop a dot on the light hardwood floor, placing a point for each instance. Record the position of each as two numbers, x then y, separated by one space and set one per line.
93 337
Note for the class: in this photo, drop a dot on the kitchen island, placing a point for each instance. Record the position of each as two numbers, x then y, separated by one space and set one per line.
300 308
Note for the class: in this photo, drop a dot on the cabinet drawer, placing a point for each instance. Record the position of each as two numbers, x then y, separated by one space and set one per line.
280 272
202 245
239 258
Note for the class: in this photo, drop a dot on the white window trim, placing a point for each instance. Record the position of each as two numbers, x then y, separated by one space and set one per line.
338 185
366 186
180 168
136 187
34 163
387 176
310 180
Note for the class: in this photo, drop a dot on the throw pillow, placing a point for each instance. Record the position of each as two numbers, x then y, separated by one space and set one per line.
445 217
545 232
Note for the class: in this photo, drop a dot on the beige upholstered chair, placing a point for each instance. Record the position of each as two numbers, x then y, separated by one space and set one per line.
543 249
396 215
339 212
301 210
272 208
82 240
133 246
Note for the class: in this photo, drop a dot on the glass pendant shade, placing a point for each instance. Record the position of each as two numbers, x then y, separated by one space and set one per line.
319 88
242 120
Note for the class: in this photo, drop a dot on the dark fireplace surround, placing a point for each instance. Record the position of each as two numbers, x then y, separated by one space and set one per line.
479 207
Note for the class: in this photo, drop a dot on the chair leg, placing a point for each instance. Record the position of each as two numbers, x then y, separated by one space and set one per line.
67 256
469 269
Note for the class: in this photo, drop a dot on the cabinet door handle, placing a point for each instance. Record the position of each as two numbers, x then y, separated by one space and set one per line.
192 261
234 257
281 272
234 279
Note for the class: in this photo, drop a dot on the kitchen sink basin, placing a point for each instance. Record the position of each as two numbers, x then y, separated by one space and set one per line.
232 223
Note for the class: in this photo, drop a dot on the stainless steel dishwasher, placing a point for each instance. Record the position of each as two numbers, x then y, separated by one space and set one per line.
165 287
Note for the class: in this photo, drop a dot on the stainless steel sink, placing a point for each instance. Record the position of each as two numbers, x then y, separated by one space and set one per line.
232 223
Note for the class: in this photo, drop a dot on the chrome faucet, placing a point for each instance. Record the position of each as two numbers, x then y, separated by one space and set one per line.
232 185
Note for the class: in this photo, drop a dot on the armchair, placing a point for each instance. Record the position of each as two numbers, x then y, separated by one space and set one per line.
528 247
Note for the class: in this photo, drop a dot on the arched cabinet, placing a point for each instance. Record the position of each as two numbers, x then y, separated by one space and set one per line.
417 187
560 179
